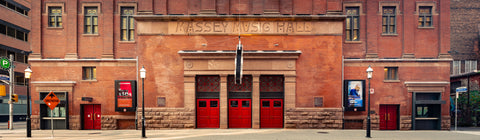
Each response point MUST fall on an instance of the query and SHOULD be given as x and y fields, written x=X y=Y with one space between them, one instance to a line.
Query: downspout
x=136 y=96
x=343 y=94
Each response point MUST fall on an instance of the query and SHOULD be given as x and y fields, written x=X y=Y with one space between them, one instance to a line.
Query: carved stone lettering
x=244 y=27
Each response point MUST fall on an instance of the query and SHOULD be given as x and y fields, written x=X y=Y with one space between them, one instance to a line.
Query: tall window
x=89 y=73
x=456 y=67
x=127 y=26
x=470 y=65
x=391 y=73
x=425 y=16
x=352 y=24
x=91 y=20
x=55 y=17
x=389 y=20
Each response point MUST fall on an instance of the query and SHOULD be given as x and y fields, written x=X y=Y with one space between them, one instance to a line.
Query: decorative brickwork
x=318 y=118
x=109 y=122
x=167 y=118
x=445 y=123
x=405 y=122
x=75 y=122
x=35 y=122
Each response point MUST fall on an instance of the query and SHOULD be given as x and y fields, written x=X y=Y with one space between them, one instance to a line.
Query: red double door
x=208 y=113
x=388 y=117
x=240 y=113
x=92 y=117
x=271 y=113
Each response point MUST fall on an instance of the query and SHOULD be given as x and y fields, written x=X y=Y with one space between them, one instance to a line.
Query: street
x=238 y=134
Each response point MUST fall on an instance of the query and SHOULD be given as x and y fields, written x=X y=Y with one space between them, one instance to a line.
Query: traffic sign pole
x=458 y=91
x=5 y=64
x=51 y=100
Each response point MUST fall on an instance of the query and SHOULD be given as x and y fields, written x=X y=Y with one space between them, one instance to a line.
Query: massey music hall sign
x=255 y=26
x=251 y=27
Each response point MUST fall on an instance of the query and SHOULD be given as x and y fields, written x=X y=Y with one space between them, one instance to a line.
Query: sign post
x=52 y=101
x=5 y=64
x=458 y=91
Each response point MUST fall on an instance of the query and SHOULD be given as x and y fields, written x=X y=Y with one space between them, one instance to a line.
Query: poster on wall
x=354 y=95
x=125 y=95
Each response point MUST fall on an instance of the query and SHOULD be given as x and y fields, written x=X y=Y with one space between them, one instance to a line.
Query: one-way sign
x=51 y=100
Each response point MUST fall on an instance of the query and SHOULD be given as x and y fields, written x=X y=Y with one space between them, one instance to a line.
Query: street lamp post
x=28 y=73
x=369 y=76
x=143 y=73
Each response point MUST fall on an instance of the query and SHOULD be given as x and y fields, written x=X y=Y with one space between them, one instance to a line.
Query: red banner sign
x=124 y=97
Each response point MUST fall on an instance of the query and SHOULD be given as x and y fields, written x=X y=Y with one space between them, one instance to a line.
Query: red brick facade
x=301 y=40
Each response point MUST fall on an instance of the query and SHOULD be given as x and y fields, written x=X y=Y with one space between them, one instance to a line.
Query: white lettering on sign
x=4 y=62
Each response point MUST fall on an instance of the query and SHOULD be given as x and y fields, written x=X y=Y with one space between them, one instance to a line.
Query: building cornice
x=398 y=60
x=80 y=60
x=238 y=17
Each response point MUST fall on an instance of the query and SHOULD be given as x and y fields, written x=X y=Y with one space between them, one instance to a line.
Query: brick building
x=304 y=63
x=464 y=36
x=15 y=27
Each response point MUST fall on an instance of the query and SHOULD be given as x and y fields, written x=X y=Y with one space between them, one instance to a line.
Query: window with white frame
x=456 y=67
x=470 y=65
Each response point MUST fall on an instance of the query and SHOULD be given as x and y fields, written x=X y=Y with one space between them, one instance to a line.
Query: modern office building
x=15 y=27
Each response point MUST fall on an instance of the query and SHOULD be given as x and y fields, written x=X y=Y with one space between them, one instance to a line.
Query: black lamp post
x=369 y=76
x=142 y=75
x=28 y=73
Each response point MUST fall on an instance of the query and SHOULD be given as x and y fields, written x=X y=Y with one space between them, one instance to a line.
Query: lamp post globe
x=369 y=76
x=28 y=74
x=143 y=74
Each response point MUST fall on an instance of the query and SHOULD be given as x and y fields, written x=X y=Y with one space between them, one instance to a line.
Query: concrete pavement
x=242 y=134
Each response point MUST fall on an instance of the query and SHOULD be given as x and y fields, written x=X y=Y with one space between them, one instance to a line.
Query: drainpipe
x=136 y=104
x=343 y=94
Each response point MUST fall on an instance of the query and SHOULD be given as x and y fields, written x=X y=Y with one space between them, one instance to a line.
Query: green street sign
x=5 y=63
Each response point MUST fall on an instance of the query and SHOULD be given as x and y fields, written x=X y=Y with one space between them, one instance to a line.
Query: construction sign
x=51 y=100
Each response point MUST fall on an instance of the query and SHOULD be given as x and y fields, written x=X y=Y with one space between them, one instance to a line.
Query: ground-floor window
x=59 y=115
x=426 y=111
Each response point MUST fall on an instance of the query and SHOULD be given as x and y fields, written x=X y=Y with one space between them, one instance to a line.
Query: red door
x=208 y=113
x=240 y=113
x=271 y=113
x=388 y=117
x=92 y=117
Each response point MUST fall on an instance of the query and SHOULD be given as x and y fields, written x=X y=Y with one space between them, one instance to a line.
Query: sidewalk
x=19 y=132
x=16 y=125
x=240 y=134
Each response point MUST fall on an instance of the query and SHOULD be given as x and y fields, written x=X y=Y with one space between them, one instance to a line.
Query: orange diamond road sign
x=51 y=100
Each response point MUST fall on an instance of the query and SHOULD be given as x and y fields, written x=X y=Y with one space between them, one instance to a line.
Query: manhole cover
x=322 y=132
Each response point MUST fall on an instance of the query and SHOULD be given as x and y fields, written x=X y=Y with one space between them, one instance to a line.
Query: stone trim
x=354 y=4
x=167 y=118
x=314 y=118
x=426 y=86
x=222 y=63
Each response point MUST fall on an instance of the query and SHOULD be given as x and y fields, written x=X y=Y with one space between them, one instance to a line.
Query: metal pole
x=456 y=107
x=12 y=77
x=143 y=108
x=368 y=117
x=29 y=129
x=51 y=120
